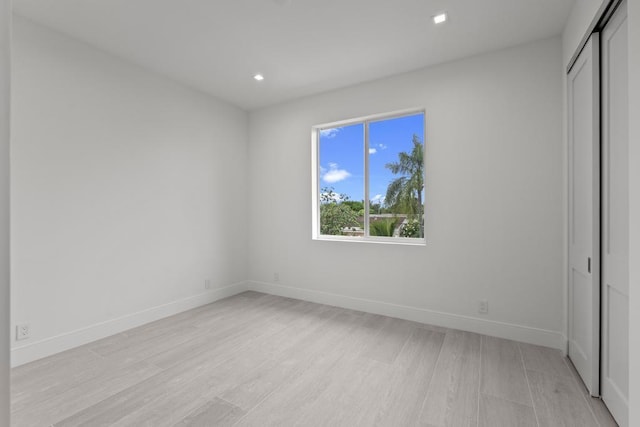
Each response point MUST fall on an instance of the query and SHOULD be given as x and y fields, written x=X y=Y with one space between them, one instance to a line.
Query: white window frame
x=315 y=179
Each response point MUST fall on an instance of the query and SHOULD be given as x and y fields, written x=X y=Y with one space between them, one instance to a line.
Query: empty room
x=320 y=213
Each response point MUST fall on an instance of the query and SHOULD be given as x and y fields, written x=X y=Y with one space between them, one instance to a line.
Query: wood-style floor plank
x=502 y=371
x=558 y=401
x=213 y=413
x=300 y=396
x=544 y=359
x=599 y=409
x=43 y=375
x=410 y=379
x=497 y=412
x=391 y=338
x=354 y=390
x=262 y=360
x=204 y=372
x=285 y=364
x=62 y=403
x=453 y=393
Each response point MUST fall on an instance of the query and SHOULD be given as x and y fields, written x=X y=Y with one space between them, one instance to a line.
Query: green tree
x=383 y=227
x=375 y=208
x=404 y=194
x=357 y=207
x=335 y=214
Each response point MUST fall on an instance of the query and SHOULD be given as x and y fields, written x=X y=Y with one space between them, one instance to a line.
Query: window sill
x=378 y=240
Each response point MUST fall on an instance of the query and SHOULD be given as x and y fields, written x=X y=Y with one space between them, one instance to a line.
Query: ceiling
x=301 y=46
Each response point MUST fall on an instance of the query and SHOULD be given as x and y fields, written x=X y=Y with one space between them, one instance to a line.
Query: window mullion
x=366 y=179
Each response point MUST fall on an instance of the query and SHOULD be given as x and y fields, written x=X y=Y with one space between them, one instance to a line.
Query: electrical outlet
x=207 y=284
x=22 y=332
x=276 y=277
x=483 y=306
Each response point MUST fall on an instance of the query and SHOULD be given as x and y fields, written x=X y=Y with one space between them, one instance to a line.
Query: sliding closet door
x=584 y=214
x=615 y=217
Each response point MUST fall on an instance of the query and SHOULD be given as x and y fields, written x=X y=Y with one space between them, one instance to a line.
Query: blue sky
x=341 y=154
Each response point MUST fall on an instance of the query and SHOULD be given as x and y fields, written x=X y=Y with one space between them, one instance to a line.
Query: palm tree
x=404 y=194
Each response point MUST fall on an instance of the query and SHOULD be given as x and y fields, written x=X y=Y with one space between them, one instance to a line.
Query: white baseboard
x=565 y=345
x=46 y=347
x=543 y=337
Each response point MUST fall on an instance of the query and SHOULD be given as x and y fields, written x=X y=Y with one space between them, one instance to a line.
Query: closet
x=598 y=259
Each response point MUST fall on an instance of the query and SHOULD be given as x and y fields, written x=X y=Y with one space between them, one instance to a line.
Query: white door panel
x=615 y=217
x=584 y=214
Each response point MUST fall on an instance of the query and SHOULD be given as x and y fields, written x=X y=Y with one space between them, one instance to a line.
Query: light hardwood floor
x=261 y=360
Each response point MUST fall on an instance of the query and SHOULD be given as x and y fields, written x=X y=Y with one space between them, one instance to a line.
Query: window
x=368 y=179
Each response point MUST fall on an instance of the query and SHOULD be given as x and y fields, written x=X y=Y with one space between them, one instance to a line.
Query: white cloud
x=335 y=174
x=378 y=198
x=372 y=151
x=382 y=146
x=329 y=133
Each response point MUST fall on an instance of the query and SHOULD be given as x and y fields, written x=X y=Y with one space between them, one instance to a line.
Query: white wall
x=5 y=17
x=128 y=192
x=634 y=212
x=494 y=198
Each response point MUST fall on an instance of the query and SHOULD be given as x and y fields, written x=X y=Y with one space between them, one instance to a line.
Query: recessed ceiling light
x=440 y=18
x=259 y=77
